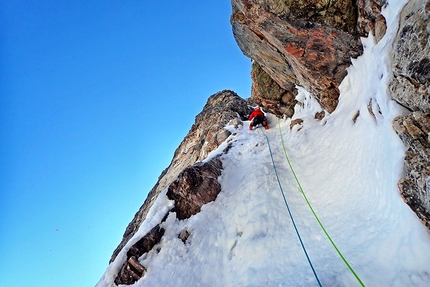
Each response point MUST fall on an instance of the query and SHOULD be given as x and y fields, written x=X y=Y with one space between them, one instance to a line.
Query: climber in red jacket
x=257 y=117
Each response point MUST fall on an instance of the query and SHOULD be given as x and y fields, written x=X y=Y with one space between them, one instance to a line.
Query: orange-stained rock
x=299 y=43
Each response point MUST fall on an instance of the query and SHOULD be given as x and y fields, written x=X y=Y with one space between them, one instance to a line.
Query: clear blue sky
x=95 y=97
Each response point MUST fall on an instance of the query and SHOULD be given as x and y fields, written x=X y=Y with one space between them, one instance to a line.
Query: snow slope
x=349 y=173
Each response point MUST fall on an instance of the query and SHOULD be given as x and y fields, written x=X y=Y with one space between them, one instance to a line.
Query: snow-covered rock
x=336 y=174
x=206 y=134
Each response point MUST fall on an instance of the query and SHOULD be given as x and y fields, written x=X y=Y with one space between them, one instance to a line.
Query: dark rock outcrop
x=132 y=270
x=370 y=18
x=410 y=87
x=147 y=242
x=411 y=58
x=195 y=186
x=414 y=130
x=308 y=43
x=206 y=134
x=267 y=93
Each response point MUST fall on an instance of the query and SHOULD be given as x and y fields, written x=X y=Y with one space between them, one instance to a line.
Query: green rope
x=310 y=206
x=289 y=211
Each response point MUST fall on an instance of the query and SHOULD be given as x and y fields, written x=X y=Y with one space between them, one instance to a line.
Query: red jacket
x=255 y=113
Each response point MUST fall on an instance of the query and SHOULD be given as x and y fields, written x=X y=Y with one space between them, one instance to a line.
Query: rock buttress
x=308 y=43
x=410 y=86
x=206 y=134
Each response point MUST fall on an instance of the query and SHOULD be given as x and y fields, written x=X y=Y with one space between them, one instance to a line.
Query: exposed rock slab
x=147 y=242
x=130 y=272
x=309 y=43
x=339 y=14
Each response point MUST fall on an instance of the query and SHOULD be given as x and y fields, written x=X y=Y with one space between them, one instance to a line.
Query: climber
x=257 y=117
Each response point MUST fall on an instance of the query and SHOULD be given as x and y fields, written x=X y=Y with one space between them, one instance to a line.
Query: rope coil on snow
x=313 y=212
x=289 y=211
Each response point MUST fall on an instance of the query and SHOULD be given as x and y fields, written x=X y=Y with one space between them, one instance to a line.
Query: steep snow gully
x=348 y=165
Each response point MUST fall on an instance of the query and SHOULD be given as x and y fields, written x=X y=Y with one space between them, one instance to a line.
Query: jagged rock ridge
x=206 y=134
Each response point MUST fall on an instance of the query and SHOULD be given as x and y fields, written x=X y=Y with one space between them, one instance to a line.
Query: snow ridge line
x=289 y=211
x=310 y=206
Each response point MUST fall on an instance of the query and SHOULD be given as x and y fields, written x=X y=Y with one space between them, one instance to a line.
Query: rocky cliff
x=410 y=86
x=310 y=43
x=206 y=134
x=306 y=43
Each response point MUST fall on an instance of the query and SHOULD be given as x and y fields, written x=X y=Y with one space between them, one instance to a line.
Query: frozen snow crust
x=349 y=172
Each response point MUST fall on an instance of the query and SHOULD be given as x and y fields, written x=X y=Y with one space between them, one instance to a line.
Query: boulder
x=194 y=187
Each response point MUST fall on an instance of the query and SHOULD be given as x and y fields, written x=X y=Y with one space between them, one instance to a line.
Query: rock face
x=206 y=134
x=267 y=93
x=411 y=58
x=410 y=87
x=414 y=130
x=370 y=18
x=194 y=187
x=132 y=270
x=308 y=43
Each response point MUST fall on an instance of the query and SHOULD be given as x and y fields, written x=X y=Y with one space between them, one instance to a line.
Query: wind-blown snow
x=349 y=172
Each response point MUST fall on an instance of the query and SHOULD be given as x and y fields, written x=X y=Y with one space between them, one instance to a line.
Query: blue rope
x=289 y=211
x=313 y=212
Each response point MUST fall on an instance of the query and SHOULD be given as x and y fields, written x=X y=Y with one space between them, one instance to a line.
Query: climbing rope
x=289 y=211
x=313 y=212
